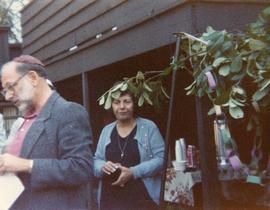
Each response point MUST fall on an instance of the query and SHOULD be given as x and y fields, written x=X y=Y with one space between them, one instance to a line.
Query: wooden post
x=4 y=52
x=85 y=92
x=211 y=191
x=168 y=127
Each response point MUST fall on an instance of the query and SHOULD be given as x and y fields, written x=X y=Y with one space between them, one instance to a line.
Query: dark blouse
x=134 y=195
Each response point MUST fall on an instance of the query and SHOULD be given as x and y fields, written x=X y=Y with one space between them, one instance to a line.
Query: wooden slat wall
x=33 y=9
x=64 y=24
x=119 y=46
x=39 y=34
x=142 y=25
x=74 y=31
x=49 y=11
x=83 y=26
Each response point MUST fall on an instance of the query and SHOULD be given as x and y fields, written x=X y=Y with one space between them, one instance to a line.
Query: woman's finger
x=109 y=167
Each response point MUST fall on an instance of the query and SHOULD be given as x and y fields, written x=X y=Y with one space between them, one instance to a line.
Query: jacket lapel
x=31 y=137
x=38 y=126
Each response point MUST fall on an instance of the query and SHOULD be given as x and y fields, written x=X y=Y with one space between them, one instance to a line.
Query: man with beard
x=51 y=151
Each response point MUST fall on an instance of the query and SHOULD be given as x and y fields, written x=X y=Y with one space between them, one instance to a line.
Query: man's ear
x=33 y=77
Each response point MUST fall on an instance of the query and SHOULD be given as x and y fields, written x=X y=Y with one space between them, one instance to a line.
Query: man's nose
x=8 y=96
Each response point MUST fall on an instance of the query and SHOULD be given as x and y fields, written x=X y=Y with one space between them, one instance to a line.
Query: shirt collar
x=31 y=116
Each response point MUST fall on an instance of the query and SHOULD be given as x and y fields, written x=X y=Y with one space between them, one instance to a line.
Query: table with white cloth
x=178 y=185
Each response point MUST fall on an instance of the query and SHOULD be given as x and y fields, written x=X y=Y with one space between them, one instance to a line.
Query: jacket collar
x=140 y=130
x=38 y=126
x=47 y=109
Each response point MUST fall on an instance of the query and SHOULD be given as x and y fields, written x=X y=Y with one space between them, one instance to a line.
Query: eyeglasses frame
x=11 y=86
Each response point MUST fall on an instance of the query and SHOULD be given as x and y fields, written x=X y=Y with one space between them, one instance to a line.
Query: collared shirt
x=15 y=146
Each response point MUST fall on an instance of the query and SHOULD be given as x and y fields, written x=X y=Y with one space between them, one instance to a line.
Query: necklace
x=122 y=149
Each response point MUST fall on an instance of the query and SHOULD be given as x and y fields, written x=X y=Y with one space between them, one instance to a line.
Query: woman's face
x=123 y=107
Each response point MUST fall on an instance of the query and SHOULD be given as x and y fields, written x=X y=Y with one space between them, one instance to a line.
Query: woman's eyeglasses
x=11 y=87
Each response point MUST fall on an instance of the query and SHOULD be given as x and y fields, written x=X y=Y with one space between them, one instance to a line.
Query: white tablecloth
x=178 y=185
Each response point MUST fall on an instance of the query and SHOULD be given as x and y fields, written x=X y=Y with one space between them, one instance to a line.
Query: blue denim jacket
x=151 y=149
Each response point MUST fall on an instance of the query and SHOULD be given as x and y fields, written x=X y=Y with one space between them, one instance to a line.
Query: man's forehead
x=8 y=72
x=9 y=67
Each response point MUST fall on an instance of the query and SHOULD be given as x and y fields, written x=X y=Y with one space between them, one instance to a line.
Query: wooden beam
x=76 y=30
x=94 y=19
x=209 y=172
x=44 y=15
x=53 y=23
x=151 y=34
x=4 y=51
x=85 y=91
x=33 y=9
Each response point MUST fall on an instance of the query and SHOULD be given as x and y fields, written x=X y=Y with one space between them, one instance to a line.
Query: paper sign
x=10 y=189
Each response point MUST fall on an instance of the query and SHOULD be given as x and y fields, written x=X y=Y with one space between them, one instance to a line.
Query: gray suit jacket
x=59 y=143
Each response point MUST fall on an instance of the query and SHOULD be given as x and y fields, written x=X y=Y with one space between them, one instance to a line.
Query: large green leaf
x=210 y=34
x=147 y=98
x=238 y=89
x=124 y=87
x=141 y=101
x=133 y=88
x=139 y=76
x=116 y=87
x=232 y=104
x=251 y=65
x=146 y=86
x=256 y=44
x=212 y=111
x=216 y=44
x=219 y=61
x=236 y=112
x=227 y=46
x=259 y=94
x=238 y=77
x=236 y=102
x=265 y=84
x=224 y=70
x=265 y=14
x=191 y=88
x=102 y=100
x=116 y=94
x=236 y=64
x=108 y=102
x=164 y=92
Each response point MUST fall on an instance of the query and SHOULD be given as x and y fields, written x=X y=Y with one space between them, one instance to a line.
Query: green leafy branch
x=239 y=63
x=146 y=89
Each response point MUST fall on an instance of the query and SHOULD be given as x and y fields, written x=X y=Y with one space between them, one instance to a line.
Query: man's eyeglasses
x=11 y=87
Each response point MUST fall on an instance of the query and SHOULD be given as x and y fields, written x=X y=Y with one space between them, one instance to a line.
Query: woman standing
x=134 y=148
